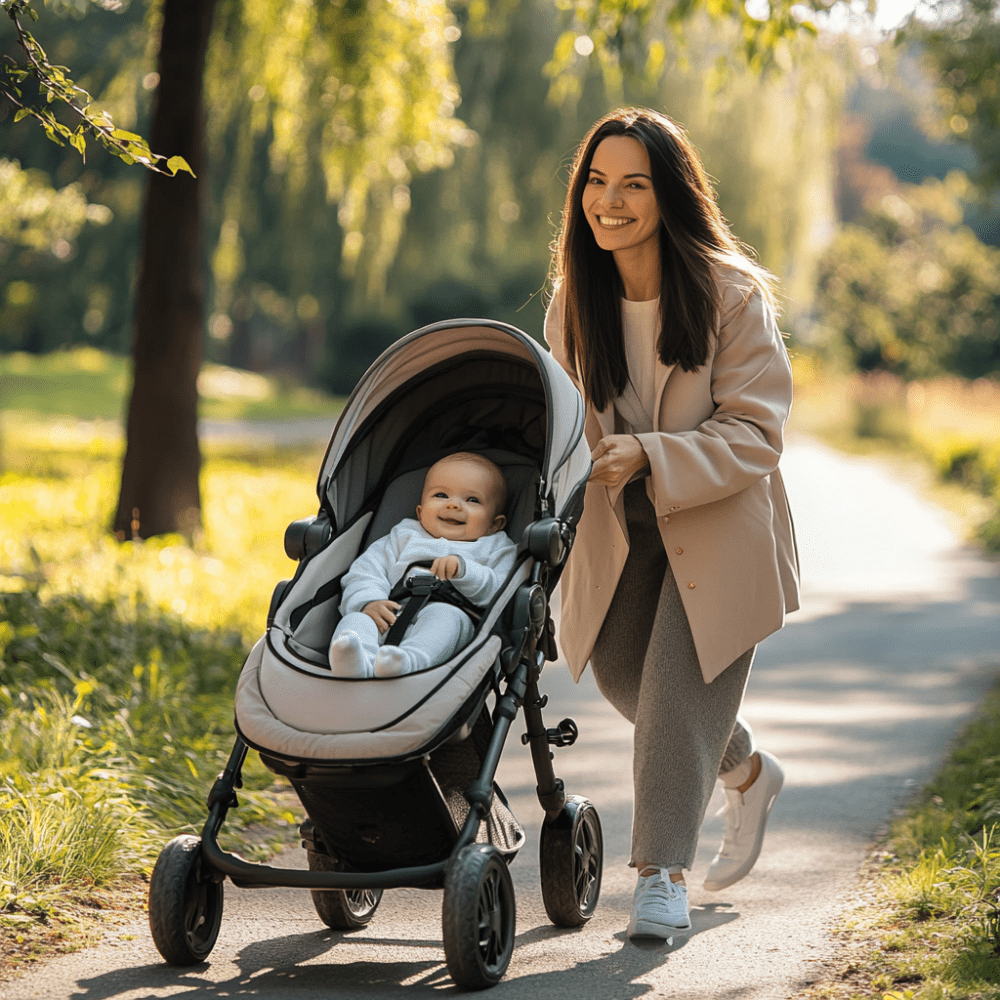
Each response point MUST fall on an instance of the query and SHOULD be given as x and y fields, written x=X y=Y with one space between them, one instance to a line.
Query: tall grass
x=118 y=662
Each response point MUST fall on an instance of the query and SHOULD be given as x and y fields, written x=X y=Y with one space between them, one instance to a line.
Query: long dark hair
x=694 y=239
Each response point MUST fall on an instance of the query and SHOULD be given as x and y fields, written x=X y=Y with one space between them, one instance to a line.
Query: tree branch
x=57 y=85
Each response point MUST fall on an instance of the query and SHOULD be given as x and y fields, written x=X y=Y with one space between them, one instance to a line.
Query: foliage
x=54 y=82
x=911 y=290
x=34 y=214
x=118 y=663
x=963 y=48
x=617 y=33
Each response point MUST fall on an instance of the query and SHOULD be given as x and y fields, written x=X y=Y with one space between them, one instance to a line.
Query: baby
x=459 y=528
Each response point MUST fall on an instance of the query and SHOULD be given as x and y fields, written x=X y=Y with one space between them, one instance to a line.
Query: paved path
x=859 y=696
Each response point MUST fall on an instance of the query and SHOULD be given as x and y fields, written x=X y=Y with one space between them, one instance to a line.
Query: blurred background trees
x=366 y=176
x=372 y=167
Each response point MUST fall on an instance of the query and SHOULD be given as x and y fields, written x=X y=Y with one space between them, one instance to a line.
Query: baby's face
x=459 y=502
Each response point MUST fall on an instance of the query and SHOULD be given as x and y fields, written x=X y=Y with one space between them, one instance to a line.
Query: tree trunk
x=159 y=488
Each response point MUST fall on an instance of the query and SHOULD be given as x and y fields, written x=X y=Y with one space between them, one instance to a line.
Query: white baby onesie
x=440 y=629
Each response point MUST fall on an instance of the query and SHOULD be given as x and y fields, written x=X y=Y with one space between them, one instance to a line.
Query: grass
x=928 y=923
x=118 y=664
x=88 y=384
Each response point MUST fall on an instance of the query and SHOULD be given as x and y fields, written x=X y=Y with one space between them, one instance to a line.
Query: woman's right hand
x=617 y=458
x=383 y=613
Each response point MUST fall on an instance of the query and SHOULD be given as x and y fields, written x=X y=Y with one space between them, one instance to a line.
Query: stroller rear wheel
x=571 y=856
x=185 y=913
x=341 y=910
x=478 y=917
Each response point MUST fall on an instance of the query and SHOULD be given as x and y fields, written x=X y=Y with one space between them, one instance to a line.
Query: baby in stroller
x=458 y=530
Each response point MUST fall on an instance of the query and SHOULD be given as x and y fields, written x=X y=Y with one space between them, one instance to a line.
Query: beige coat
x=715 y=486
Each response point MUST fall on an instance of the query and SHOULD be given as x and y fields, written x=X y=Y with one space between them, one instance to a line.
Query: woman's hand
x=617 y=458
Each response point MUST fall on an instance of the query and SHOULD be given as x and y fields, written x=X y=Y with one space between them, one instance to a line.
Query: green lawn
x=88 y=384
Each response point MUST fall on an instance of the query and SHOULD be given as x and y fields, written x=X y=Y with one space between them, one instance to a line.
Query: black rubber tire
x=479 y=917
x=184 y=914
x=571 y=857
x=341 y=910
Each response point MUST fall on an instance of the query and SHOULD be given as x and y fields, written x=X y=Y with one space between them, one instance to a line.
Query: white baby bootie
x=394 y=661
x=348 y=657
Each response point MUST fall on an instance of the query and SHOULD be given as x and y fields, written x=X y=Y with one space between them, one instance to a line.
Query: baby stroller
x=396 y=775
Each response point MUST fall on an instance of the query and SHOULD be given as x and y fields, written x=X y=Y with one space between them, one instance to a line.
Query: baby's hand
x=383 y=613
x=445 y=567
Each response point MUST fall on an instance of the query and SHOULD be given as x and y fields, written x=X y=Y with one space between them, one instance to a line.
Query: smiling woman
x=685 y=557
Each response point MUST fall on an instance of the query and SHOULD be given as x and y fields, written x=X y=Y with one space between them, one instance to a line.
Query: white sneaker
x=746 y=817
x=659 y=907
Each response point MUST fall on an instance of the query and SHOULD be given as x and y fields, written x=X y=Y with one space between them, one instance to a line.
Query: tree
x=963 y=49
x=911 y=290
x=159 y=487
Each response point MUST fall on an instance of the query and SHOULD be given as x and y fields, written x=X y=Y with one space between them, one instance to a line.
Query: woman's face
x=618 y=198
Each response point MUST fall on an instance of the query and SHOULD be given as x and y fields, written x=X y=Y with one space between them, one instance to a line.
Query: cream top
x=641 y=330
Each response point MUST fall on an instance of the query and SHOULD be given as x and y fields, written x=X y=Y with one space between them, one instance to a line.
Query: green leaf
x=176 y=163
x=23 y=113
x=79 y=143
x=120 y=133
x=52 y=136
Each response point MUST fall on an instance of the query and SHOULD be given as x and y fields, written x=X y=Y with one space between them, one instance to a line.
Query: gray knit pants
x=686 y=731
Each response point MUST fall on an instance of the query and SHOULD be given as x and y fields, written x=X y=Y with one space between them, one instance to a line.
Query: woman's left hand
x=617 y=458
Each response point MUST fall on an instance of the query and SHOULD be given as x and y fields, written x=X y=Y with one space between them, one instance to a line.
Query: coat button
x=690 y=586
x=679 y=551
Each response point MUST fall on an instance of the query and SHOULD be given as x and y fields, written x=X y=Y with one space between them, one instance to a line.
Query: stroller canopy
x=475 y=385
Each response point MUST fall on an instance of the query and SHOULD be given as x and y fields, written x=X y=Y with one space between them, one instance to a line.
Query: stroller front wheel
x=185 y=912
x=571 y=856
x=478 y=917
x=341 y=910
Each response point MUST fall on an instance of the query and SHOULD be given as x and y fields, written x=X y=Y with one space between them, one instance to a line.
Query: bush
x=912 y=291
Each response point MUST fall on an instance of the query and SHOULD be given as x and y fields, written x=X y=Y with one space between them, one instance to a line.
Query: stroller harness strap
x=415 y=590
